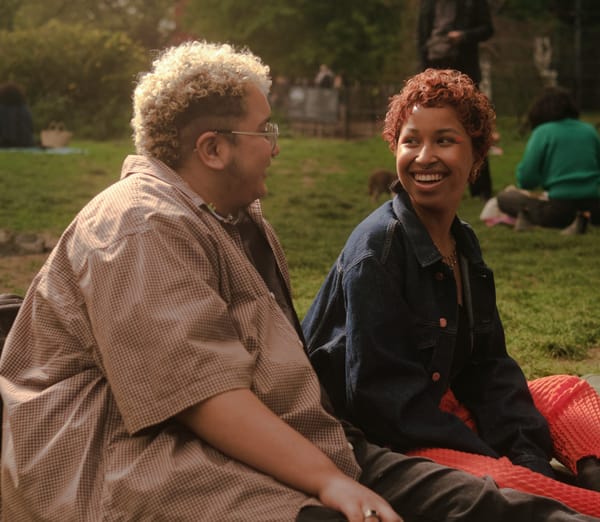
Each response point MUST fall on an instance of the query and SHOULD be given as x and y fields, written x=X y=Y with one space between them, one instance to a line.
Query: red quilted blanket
x=572 y=409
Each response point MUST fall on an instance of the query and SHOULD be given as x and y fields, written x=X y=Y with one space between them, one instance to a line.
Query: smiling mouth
x=427 y=177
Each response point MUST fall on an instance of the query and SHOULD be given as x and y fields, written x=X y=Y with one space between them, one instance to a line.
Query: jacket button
x=443 y=322
x=435 y=376
x=439 y=276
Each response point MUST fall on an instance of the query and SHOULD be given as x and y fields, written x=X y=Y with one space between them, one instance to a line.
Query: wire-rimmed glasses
x=271 y=132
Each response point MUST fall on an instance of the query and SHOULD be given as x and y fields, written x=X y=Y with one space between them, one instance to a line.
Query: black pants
x=552 y=213
x=421 y=490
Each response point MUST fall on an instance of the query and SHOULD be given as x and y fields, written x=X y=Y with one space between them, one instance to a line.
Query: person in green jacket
x=562 y=157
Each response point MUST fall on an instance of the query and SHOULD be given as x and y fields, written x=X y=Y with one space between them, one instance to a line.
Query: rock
x=12 y=244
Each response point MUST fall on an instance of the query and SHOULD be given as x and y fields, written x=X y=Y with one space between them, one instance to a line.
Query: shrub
x=75 y=74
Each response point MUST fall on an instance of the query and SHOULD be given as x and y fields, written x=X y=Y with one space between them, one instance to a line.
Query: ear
x=474 y=174
x=212 y=150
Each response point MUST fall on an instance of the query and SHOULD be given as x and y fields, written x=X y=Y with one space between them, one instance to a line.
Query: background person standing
x=448 y=37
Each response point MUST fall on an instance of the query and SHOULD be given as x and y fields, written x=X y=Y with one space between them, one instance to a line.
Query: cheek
x=403 y=160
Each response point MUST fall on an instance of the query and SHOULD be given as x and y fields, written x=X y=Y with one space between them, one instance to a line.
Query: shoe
x=588 y=473
x=523 y=222
x=579 y=225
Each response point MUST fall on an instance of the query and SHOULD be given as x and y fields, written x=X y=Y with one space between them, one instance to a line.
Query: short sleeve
x=165 y=338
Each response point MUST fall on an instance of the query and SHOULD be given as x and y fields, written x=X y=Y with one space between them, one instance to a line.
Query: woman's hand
x=355 y=501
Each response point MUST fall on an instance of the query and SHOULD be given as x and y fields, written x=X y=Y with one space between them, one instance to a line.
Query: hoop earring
x=473 y=175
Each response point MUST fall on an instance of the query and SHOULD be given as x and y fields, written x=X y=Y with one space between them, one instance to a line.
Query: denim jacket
x=381 y=334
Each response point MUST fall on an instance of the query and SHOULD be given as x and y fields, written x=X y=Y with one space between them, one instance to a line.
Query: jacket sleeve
x=480 y=26
x=388 y=389
x=424 y=25
x=494 y=389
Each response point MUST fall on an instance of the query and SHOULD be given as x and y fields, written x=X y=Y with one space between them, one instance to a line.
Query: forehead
x=433 y=118
x=257 y=105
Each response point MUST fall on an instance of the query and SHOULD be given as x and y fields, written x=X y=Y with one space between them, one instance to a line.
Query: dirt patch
x=593 y=356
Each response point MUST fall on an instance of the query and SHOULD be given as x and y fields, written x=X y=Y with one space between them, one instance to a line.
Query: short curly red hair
x=443 y=88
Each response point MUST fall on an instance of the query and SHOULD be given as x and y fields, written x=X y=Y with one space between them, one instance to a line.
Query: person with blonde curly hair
x=156 y=368
x=405 y=332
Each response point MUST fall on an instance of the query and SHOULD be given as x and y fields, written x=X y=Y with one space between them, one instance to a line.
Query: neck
x=206 y=183
x=438 y=226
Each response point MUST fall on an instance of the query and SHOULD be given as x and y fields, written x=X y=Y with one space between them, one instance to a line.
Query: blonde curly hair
x=197 y=85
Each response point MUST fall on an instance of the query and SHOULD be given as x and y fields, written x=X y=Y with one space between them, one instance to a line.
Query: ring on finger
x=371 y=513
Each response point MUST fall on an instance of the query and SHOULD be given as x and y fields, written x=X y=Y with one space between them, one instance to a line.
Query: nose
x=425 y=155
x=275 y=151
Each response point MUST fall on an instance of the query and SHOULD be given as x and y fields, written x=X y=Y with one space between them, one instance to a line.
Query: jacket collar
x=425 y=251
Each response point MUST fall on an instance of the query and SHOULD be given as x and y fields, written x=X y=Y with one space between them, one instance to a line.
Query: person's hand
x=356 y=502
x=455 y=37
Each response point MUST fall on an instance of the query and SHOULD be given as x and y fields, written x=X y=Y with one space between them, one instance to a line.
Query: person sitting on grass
x=16 y=122
x=562 y=157
x=405 y=332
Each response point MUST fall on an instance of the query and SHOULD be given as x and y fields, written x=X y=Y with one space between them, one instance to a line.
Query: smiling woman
x=434 y=160
x=405 y=332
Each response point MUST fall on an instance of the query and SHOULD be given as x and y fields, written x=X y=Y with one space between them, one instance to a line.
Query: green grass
x=42 y=192
x=547 y=284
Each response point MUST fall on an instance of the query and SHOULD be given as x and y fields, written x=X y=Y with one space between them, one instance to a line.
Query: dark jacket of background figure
x=16 y=126
x=382 y=333
x=16 y=122
x=474 y=19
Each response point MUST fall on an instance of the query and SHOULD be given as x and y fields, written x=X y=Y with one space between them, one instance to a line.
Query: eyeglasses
x=271 y=132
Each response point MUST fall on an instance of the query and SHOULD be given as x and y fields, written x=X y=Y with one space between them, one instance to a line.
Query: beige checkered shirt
x=148 y=305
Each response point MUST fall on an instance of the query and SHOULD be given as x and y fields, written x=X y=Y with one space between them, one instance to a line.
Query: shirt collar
x=138 y=164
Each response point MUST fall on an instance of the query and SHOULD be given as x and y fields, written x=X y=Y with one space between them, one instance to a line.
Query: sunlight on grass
x=546 y=283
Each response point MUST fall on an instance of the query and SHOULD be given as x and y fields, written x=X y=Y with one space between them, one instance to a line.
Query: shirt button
x=435 y=376
x=443 y=322
x=272 y=295
x=439 y=276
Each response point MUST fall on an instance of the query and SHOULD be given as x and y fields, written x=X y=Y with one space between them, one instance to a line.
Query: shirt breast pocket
x=434 y=352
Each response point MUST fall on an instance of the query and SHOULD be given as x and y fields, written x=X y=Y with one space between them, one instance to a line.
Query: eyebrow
x=449 y=129
x=264 y=122
x=452 y=130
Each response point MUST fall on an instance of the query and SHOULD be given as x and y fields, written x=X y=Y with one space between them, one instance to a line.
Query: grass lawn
x=547 y=284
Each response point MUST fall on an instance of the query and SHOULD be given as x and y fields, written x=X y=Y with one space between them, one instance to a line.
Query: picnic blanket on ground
x=572 y=408
x=43 y=150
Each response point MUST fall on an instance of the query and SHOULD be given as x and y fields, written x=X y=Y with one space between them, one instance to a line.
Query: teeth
x=427 y=177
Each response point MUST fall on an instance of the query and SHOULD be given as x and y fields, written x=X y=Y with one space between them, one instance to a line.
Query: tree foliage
x=147 y=22
x=360 y=40
x=74 y=74
x=8 y=10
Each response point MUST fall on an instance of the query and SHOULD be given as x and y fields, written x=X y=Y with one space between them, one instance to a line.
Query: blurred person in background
x=448 y=36
x=16 y=122
x=562 y=158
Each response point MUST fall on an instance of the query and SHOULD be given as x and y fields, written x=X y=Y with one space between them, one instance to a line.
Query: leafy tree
x=148 y=22
x=361 y=40
x=74 y=74
x=8 y=10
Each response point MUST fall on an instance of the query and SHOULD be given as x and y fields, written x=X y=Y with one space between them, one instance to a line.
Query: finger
x=384 y=514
